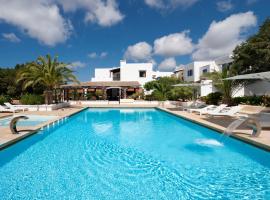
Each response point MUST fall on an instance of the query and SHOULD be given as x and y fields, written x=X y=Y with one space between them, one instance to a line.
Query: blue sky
x=98 y=33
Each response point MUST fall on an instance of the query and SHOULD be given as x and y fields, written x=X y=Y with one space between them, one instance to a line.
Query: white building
x=115 y=83
x=140 y=72
x=193 y=72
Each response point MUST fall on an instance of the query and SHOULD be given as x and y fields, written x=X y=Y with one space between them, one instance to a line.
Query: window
x=190 y=72
x=142 y=74
x=204 y=71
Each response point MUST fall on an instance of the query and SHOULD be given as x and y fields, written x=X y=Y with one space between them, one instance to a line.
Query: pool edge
x=219 y=130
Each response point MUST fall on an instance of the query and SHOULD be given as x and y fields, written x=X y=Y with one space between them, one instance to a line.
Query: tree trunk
x=48 y=96
x=228 y=101
x=55 y=96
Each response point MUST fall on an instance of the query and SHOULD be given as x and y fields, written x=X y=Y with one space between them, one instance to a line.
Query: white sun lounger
x=3 y=109
x=228 y=111
x=194 y=105
x=15 y=107
x=207 y=109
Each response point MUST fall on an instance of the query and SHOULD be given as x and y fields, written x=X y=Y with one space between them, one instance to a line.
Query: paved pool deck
x=217 y=123
x=3 y=115
x=7 y=138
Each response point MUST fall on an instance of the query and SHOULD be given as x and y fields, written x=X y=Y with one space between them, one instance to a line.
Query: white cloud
x=223 y=36
x=168 y=64
x=11 y=37
x=250 y=2
x=175 y=44
x=103 y=12
x=92 y=55
x=96 y=55
x=77 y=64
x=141 y=51
x=155 y=3
x=169 y=4
x=37 y=18
x=103 y=54
x=224 y=6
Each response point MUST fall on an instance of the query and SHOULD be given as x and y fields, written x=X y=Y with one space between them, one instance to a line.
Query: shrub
x=250 y=100
x=149 y=97
x=155 y=96
x=266 y=100
x=100 y=95
x=32 y=99
x=4 y=98
x=89 y=96
x=183 y=93
x=213 y=98
x=137 y=95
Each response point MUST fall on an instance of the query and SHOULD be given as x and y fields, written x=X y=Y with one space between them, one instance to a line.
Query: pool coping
x=217 y=129
x=220 y=130
x=36 y=129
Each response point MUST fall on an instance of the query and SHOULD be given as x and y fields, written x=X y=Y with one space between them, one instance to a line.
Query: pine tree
x=253 y=55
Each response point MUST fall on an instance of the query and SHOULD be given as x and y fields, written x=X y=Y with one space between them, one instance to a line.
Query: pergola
x=85 y=87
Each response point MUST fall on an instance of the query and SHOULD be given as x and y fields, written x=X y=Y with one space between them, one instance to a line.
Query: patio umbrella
x=254 y=76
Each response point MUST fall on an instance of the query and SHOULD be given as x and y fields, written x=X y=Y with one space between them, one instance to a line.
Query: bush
x=100 y=95
x=32 y=99
x=181 y=93
x=250 y=100
x=266 y=100
x=4 y=98
x=213 y=98
x=89 y=96
x=155 y=96
x=149 y=97
x=137 y=95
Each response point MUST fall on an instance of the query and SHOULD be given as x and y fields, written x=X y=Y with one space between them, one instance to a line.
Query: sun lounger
x=203 y=110
x=227 y=111
x=15 y=107
x=193 y=106
x=3 y=109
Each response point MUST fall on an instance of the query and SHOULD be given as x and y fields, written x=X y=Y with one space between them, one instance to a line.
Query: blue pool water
x=132 y=154
x=32 y=120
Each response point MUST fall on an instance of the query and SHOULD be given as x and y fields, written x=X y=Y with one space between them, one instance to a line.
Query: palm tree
x=48 y=72
x=161 y=87
x=226 y=87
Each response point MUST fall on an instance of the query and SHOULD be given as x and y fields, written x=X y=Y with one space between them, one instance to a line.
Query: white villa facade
x=116 y=83
x=140 y=72
x=193 y=72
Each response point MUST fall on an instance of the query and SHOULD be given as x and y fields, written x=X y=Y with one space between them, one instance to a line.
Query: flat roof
x=104 y=84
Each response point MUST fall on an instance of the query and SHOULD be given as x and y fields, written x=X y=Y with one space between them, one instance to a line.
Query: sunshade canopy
x=261 y=76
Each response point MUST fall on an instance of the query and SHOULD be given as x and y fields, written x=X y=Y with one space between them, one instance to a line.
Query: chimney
x=123 y=62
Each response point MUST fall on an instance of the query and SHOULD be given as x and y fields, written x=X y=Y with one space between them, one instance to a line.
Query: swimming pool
x=32 y=120
x=132 y=154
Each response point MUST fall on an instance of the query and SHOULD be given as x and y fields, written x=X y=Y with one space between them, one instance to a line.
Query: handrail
x=13 y=123
x=252 y=122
